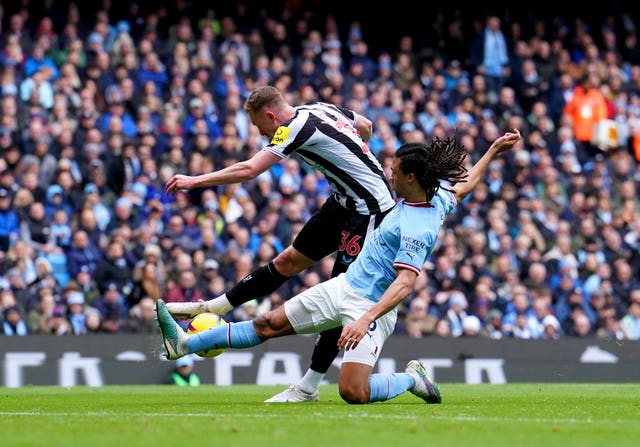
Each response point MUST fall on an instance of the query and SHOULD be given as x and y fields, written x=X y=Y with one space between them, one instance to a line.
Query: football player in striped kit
x=332 y=140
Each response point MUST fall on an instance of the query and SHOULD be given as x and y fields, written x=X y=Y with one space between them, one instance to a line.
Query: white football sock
x=219 y=305
x=310 y=381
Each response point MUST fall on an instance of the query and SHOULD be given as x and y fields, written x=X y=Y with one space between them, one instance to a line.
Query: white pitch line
x=468 y=418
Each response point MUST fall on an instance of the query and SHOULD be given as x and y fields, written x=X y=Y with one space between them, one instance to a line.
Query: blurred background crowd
x=101 y=104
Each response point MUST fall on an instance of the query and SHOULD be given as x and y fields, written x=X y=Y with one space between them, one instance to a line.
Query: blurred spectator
x=112 y=308
x=116 y=114
x=493 y=325
x=630 y=323
x=35 y=229
x=142 y=317
x=36 y=89
x=196 y=112
x=518 y=305
x=183 y=374
x=579 y=324
x=94 y=200
x=520 y=328
x=84 y=282
x=175 y=231
x=22 y=256
x=489 y=54
x=113 y=323
x=13 y=322
x=210 y=271
x=609 y=326
x=551 y=328
x=9 y=225
x=147 y=285
x=185 y=289
x=57 y=200
x=93 y=321
x=212 y=245
x=418 y=322
x=76 y=312
x=456 y=313
x=596 y=279
x=38 y=316
x=60 y=229
x=114 y=267
x=44 y=273
x=471 y=326
x=124 y=214
x=57 y=323
x=19 y=289
x=443 y=328
x=586 y=107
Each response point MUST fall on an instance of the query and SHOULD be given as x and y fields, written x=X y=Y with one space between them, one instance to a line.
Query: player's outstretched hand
x=507 y=141
x=178 y=182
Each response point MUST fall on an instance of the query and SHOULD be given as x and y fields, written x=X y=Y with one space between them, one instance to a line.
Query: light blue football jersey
x=405 y=239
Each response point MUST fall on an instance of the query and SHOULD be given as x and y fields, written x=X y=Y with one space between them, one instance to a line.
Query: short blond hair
x=263 y=97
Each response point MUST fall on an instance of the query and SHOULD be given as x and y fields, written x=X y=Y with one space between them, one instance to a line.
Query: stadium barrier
x=100 y=360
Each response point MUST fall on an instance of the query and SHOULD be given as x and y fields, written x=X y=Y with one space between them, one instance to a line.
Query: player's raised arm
x=501 y=144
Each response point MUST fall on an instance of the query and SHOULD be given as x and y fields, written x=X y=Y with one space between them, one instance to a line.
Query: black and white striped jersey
x=324 y=136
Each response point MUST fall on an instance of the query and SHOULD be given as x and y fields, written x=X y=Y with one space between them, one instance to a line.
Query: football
x=203 y=322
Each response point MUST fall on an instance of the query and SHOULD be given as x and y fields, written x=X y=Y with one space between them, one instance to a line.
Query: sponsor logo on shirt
x=412 y=244
x=280 y=136
x=347 y=260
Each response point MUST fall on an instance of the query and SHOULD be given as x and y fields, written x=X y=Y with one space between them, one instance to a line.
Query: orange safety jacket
x=586 y=108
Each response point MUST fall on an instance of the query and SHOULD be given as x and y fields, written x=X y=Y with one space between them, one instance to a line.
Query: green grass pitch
x=540 y=415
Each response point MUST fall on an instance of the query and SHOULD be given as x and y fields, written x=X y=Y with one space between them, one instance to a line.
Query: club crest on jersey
x=280 y=136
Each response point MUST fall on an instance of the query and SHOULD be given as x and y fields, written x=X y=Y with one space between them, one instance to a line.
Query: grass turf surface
x=470 y=415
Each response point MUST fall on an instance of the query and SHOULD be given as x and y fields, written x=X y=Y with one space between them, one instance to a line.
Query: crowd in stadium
x=99 y=110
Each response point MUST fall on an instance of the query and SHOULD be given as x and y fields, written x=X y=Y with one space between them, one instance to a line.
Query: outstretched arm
x=236 y=173
x=501 y=144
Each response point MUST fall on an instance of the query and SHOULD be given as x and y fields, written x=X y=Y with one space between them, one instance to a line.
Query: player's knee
x=290 y=262
x=272 y=324
x=263 y=327
x=354 y=396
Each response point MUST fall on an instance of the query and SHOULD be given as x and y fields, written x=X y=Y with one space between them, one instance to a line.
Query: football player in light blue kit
x=431 y=180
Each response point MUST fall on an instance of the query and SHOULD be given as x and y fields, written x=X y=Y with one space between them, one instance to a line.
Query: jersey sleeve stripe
x=402 y=265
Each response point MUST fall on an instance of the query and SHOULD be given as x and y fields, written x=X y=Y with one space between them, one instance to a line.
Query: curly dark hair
x=442 y=160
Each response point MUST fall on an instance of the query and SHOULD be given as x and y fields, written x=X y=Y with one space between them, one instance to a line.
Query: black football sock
x=259 y=283
x=325 y=350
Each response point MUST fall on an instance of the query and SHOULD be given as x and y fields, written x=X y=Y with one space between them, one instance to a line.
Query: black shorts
x=334 y=228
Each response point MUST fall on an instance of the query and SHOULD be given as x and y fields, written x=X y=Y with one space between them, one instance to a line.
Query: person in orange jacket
x=587 y=106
